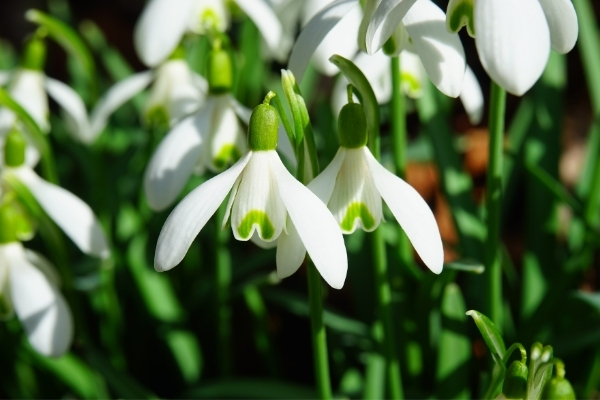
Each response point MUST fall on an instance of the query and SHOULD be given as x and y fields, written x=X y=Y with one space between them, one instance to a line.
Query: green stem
x=493 y=204
x=398 y=122
x=319 y=338
x=223 y=281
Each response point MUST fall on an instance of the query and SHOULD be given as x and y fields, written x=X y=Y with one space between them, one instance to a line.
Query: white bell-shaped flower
x=354 y=184
x=421 y=21
x=164 y=22
x=514 y=37
x=264 y=195
x=29 y=287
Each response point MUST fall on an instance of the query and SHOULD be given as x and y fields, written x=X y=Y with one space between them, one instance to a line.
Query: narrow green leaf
x=466 y=265
x=35 y=134
x=490 y=333
x=68 y=38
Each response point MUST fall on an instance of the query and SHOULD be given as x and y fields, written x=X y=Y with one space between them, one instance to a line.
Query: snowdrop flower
x=377 y=71
x=164 y=22
x=29 y=288
x=415 y=24
x=30 y=87
x=514 y=37
x=210 y=138
x=68 y=211
x=176 y=92
x=354 y=184
x=263 y=196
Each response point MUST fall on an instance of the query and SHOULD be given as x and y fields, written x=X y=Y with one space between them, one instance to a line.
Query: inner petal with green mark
x=228 y=154
x=259 y=220
x=459 y=14
x=357 y=213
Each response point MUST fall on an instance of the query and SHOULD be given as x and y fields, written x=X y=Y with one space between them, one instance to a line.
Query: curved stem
x=493 y=270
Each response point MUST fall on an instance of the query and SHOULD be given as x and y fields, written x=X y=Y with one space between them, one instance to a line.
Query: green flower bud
x=8 y=221
x=14 y=149
x=34 y=54
x=515 y=381
x=558 y=388
x=352 y=126
x=262 y=129
x=219 y=71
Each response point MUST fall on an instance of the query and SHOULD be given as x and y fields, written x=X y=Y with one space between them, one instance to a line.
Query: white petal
x=261 y=243
x=412 y=213
x=441 y=52
x=562 y=21
x=44 y=265
x=5 y=77
x=387 y=16
x=265 y=20
x=340 y=40
x=472 y=97
x=226 y=140
x=313 y=34
x=258 y=205
x=74 y=107
x=243 y=112
x=290 y=251
x=41 y=308
x=323 y=184
x=69 y=212
x=191 y=214
x=316 y=227
x=413 y=75
x=115 y=97
x=28 y=90
x=513 y=42
x=174 y=159
x=160 y=28
x=355 y=201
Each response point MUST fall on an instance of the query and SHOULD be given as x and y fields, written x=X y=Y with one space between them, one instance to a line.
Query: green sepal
x=262 y=129
x=34 y=54
x=352 y=126
x=558 y=388
x=515 y=381
x=219 y=71
x=459 y=14
x=14 y=149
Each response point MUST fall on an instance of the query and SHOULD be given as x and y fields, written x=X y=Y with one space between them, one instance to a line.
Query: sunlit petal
x=386 y=17
x=316 y=227
x=44 y=265
x=441 y=52
x=73 y=105
x=323 y=184
x=226 y=140
x=69 y=212
x=28 y=90
x=562 y=21
x=472 y=97
x=513 y=42
x=265 y=20
x=191 y=214
x=290 y=251
x=412 y=213
x=39 y=305
x=160 y=28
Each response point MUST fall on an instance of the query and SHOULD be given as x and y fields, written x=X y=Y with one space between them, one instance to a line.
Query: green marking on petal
x=358 y=210
x=229 y=154
x=259 y=218
x=460 y=13
x=157 y=117
x=410 y=84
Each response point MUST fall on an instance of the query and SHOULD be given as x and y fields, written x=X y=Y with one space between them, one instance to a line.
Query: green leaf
x=252 y=389
x=466 y=265
x=68 y=38
x=490 y=334
x=39 y=139
x=356 y=77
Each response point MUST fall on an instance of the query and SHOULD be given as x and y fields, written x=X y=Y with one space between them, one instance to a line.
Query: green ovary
x=228 y=154
x=259 y=218
x=354 y=211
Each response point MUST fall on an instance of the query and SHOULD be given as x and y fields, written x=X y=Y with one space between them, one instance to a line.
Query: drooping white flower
x=177 y=92
x=418 y=24
x=514 y=37
x=164 y=22
x=376 y=68
x=354 y=184
x=264 y=195
x=29 y=286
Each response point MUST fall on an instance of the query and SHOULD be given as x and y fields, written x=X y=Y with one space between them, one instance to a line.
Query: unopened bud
x=558 y=388
x=263 y=127
x=34 y=54
x=515 y=381
x=14 y=149
x=352 y=126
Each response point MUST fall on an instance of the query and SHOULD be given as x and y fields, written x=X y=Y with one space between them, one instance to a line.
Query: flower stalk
x=493 y=268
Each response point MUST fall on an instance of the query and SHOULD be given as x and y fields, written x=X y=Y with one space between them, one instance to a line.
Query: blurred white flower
x=417 y=24
x=164 y=22
x=29 y=286
x=263 y=196
x=514 y=37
